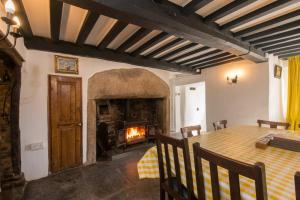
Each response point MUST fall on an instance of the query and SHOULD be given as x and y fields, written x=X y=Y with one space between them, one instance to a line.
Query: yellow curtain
x=293 y=107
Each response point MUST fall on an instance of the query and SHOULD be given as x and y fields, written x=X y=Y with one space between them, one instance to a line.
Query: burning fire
x=135 y=132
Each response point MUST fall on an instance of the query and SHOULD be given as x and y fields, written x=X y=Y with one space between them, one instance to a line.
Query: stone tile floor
x=110 y=180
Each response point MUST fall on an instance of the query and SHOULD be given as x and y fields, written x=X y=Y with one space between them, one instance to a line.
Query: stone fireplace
x=128 y=105
x=124 y=123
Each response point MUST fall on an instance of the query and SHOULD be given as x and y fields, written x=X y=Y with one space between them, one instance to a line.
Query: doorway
x=65 y=118
x=190 y=105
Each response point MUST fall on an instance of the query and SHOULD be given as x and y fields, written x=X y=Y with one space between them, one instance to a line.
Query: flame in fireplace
x=135 y=132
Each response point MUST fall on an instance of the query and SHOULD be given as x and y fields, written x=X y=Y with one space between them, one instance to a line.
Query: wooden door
x=65 y=139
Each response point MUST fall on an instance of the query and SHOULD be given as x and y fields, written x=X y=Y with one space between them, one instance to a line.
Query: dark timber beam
x=282 y=45
x=219 y=56
x=214 y=64
x=273 y=31
x=212 y=61
x=202 y=56
x=45 y=44
x=270 y=8
x=55 y=18
x=153 y=16
x=284 y=49
x=277 y=42
x=112 y=34
x=296 y=53
x=287 y=51
x=170 y=45
x=20 y=12
x=190 y=53
x=284 y=19
x=176 y=51
x=137 y=36
x=152 y=42
x=288 y=34
x=194 y=5
x=228 y=9
x=87 y=27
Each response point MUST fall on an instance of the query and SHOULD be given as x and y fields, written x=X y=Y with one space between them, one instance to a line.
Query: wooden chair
x=273 y=124
x=235 y=168
x=297 y=185
x=190 y=131
x=171 y=183
x=220 y=124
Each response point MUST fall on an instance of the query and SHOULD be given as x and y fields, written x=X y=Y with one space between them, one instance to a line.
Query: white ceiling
x=38 y=12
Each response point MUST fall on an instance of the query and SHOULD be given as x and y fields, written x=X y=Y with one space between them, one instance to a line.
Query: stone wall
x=118 y=84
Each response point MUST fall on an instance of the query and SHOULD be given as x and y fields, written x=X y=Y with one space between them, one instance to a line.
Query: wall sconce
x=232 y=79
x=12 y=22
x=198 y=71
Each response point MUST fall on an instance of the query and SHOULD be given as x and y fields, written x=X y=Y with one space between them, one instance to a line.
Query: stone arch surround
x=122 y=83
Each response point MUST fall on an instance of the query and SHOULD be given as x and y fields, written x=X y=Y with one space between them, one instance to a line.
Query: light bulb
x=16 y=19
x=10 y=7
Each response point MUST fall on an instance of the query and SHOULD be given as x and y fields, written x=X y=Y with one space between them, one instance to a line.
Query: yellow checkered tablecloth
x=238 y=143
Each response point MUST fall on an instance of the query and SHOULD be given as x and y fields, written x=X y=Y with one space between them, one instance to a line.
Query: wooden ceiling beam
x=176 y=51
x=25 y=25
x=87 y=27
x=219 y=63
x=190 y=53
x=227 y=9
x=266 y=44
x=287 y=34
x=296 y=53
x=284 y=49
x=45 y=44
x=270 y=8
x=155 y=16
x=170 y=45
x=152 y=42
x=55 y=18
x=194 y=5
x=137 y=36
x=212 y=61
x=282 y=45
x=202 y=56
x=273 y=31
x=112 y=34
x=284 y=19
x=287 y=51
x=211 y=58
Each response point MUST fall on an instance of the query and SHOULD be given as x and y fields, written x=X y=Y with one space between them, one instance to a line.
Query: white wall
x=277 y=90
x=33 y=104
x=241 y=103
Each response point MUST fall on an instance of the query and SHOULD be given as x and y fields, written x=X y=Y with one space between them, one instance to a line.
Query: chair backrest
x=163 y=145
x=190 y=131
x=220 y=124
x=297 y=185
x=235 y=168
x=285 y=125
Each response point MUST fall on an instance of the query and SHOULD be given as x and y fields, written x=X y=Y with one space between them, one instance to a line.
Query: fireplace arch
x=118 y=84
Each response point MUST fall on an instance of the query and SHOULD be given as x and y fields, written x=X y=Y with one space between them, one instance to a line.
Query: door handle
x=79 y=124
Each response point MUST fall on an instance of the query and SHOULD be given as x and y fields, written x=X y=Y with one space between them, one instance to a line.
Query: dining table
x=237 y=143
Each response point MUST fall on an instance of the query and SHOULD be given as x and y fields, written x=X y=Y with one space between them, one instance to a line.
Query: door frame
x=50 y=171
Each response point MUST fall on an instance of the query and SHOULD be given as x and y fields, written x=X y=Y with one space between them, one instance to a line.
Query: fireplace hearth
x=123 y=124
